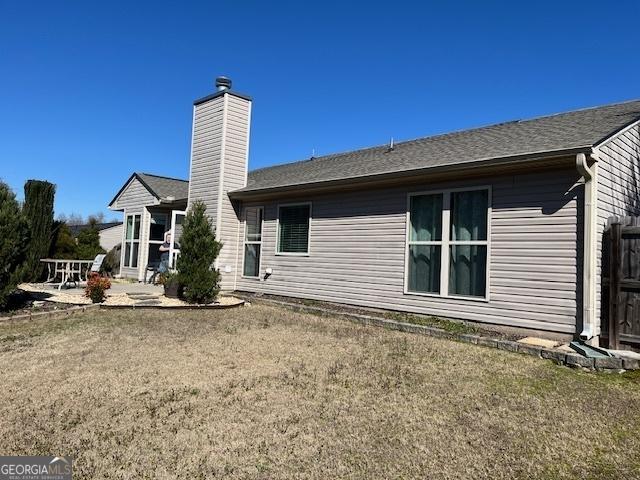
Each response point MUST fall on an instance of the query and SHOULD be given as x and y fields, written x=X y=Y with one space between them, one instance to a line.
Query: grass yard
x=260 y=392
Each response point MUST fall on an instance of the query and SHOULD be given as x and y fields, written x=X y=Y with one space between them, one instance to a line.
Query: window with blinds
x=293 y=229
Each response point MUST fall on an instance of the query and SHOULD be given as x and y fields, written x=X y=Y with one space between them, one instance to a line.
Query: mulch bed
x=25 y=303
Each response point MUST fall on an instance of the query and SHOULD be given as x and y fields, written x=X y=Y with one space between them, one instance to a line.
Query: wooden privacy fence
x=621 y=283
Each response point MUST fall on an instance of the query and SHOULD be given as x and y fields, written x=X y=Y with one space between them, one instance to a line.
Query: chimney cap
x=223 y=83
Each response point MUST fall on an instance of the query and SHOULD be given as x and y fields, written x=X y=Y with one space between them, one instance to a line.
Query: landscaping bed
x=24 y=304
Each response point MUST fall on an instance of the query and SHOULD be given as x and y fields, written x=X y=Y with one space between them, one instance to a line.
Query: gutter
x=589 y=260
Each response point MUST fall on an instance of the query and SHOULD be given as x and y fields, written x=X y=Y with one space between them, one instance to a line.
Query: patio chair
x=97 y=262
x=152 y=267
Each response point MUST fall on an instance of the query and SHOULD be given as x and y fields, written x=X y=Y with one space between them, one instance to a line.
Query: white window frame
x=252 y=242
x=446 y=242
x=294 y=254
x=132 y=241
x=173 y=251
x=166 y=224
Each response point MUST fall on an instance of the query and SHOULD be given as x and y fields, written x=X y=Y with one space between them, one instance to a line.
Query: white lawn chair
x=97 y=262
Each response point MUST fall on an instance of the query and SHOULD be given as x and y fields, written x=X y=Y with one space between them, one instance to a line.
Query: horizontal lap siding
x=110 y=237
x=358 y=249
x=205 y=156
x=235 y=176
x=134 y=195
x=618 y=185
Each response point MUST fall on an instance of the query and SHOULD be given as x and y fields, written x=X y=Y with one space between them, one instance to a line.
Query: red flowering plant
x=96 y=287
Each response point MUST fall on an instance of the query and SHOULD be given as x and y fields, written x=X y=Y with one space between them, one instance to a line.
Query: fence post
x=615 y=274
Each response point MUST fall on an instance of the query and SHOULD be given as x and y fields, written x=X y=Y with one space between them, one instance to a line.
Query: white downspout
x=589 y=328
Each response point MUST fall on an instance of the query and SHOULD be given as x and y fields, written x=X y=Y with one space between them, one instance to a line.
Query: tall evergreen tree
x=14 y=238
x=198 y=250
x=38 y=210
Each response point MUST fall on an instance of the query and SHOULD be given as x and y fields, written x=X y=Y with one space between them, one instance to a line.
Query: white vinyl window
x=448 y=243
x=254 y=217
x=132 y=241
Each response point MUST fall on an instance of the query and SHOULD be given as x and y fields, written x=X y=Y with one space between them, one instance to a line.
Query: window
x=157 y=229
x=252 y=241
x=293 y=229
x=132 y=241
x=447 y=243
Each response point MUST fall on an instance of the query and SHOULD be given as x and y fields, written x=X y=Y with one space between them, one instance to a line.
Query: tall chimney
x=219 y=164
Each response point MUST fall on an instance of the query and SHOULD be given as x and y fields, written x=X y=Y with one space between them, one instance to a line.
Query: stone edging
x=50 y=314
x=170 y=307
x=573 y=360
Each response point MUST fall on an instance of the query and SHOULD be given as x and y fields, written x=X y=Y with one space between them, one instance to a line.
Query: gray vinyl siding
x=220 y=154
x=110 y=237
x=618 y=185
x=134 y=195
x=235 y=177
x=357 y=253
x=208 y=125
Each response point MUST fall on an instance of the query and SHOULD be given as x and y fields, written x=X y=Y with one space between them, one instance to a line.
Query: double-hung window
x=447 y=243
x=132 y=241
x=252 y=241
x=293 y=229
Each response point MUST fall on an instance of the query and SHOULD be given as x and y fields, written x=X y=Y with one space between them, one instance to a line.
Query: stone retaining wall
x=574 y=360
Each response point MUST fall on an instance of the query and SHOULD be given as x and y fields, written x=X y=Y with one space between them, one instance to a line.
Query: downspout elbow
x=583 y=167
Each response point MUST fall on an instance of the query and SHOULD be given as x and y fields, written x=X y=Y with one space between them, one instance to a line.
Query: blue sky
x=92 y=91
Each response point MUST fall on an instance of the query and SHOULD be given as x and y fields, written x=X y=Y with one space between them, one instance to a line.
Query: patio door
x=157 y=228
x=177 y=218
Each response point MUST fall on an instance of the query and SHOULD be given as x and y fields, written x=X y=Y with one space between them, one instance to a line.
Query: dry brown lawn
x=261 y=392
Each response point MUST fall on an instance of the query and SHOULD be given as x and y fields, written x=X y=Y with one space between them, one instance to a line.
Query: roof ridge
x=162 y=176
x=445 y=134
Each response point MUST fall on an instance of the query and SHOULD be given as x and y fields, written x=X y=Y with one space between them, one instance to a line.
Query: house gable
x=134 y=193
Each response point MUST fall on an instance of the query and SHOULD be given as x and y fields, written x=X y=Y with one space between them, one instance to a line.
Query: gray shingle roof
x=574 y=130
x=164 y=187
x=76 y=229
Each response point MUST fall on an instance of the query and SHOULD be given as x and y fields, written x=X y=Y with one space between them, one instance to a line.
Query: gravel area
x=133 y=298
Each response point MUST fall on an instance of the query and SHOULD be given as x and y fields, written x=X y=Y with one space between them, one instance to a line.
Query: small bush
x=96 y=287
x=169 y=278
x=198 y=250
x=111 y=263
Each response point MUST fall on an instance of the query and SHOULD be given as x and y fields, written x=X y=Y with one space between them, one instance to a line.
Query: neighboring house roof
x=75 y=229
x=563 y=133
x=163 y=188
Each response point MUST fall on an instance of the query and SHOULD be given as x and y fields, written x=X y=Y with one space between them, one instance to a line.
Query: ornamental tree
x=198 y=252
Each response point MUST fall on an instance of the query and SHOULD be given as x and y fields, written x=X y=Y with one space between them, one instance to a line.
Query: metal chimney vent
x=223 y=83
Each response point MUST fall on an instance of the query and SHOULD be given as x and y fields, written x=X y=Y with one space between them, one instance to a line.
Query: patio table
x=67 y=269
